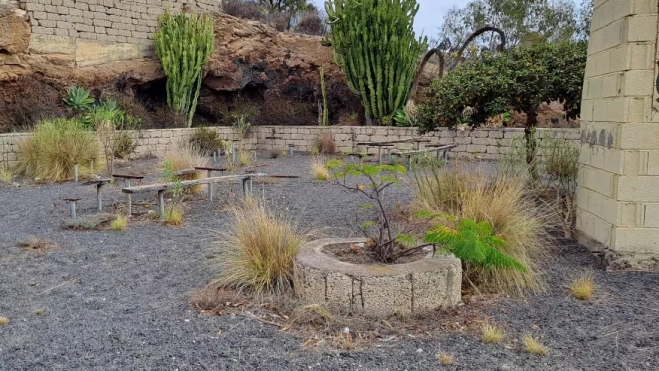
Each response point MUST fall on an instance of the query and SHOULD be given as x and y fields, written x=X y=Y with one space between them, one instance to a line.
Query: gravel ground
x=120 y=300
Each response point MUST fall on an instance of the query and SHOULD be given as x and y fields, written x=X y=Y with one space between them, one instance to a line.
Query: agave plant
x=78 y=99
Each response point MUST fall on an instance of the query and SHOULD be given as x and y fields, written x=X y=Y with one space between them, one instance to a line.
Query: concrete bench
x=127 y=180
x=72 y=206
x=162 y=187
x=209 y=174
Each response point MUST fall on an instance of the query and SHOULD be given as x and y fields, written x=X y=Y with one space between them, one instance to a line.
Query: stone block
x=476 y=148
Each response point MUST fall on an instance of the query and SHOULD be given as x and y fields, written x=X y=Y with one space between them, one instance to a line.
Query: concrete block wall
x=100 y=31
x=479 y=144
x=618 y=191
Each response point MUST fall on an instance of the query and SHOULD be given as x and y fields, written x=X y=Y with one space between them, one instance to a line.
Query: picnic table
x=392 y=143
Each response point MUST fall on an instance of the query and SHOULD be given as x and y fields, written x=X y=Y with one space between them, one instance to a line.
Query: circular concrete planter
x=376 y=289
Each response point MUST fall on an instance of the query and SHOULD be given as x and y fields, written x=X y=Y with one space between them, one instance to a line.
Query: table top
x=392 y=142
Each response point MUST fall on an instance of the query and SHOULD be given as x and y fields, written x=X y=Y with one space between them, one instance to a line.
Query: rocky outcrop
x=247 y=53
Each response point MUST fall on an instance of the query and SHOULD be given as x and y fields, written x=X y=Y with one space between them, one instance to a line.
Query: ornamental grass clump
x=502 y=201
x=186 y=157
x=258 y=250
x=55 y=147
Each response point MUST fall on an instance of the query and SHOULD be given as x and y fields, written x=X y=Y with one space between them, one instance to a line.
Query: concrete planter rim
x=311 y=255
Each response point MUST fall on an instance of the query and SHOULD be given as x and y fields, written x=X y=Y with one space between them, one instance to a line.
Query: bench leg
x=75 y=173
x=233 y=151
x=409 y=162
x=72 y=209
x=379 y=155
x=290 y=151
x=161 y=204
x=129 y=199
x=210 y=186
x=247 y=186
x=99 y=202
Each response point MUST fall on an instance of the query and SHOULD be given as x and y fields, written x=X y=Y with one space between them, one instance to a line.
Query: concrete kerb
x=376 y=289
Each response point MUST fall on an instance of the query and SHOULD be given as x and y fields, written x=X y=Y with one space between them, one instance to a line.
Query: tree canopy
x=521 y=20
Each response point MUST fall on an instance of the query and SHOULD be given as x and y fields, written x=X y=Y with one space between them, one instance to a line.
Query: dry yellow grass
x=492 y=333
x=186 y=157
x=533 y=345
x=582 y=288
x=55 y=147
x=258 y=250
x=445 y=359
x=120 y=223
x=174 y=216
x=5 y=176
x=318 y=169
x=3 y=321
x=245 y=158
x=39 y=311
x=34 y=243
x=503 y=201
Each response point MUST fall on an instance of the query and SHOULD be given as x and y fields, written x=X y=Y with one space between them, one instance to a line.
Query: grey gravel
x=120 y=300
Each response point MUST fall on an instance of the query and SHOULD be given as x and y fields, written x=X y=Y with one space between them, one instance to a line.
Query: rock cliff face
x=247 y=54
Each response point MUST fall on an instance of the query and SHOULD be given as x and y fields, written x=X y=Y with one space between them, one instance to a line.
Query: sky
x=430 y=15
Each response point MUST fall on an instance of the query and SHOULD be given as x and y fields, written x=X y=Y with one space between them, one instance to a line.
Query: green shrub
x=55 y=147
x=124 y=145
x=206 y=140
x=519 y=79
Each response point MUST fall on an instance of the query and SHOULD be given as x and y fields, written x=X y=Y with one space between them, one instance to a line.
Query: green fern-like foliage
x=474 y=243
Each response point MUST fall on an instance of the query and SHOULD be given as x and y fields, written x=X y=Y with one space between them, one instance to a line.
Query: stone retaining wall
x=484 y=144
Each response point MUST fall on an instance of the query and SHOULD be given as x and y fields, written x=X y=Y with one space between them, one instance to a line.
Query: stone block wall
x=100 y=31
x=122 y=21
x=618 y=185
x=479 y=144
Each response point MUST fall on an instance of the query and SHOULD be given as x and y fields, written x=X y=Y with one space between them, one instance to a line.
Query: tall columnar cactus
x=183 y=43
x=378 y=50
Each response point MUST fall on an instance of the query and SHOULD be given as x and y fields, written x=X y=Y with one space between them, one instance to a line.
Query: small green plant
x=173 y=213
x=533 y=345
x=241 y=125
x=245 y=157
x=120 y=223
x=387 y=244
x=3 y=321
x=325 y=112
x=78 y=99
x=492 y=333
x=124 y=145
x=39 y=311
x=582 y=288
x=474 y=243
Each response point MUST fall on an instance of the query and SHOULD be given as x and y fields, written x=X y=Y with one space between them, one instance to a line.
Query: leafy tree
x=519 y=79
x=290 y=6
x=521 y=20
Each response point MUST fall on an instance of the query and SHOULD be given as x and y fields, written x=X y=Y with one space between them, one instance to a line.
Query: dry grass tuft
x=445 y=359
x=533 y=345
x=54 y=149
x=492 y=333
x=582 y=288
x=325 y=142
x=174 y=216
x=258 y=250
x=503 y=201
x=35 y=243
x=245 y=158
x=3 y=321
x=120 y=223
x=319 y=170
x=5 y=176
x=186 y=157
x=39 y=311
